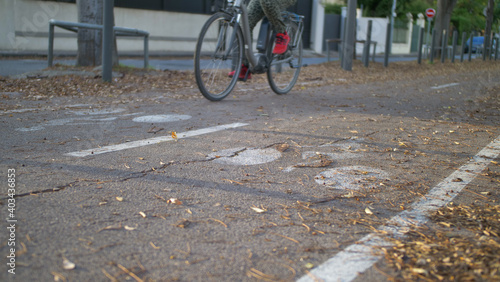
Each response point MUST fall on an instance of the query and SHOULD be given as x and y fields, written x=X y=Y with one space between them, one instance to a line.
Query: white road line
x=445 y=85
x=151 y=141
x=360 y=256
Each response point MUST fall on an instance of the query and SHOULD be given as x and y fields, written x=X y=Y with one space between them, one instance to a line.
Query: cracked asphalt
x=269 y=200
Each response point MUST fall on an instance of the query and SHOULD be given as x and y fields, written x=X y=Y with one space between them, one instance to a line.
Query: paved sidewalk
x=10 y=66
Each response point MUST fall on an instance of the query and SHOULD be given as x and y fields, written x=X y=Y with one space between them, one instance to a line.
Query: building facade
x=173 y=25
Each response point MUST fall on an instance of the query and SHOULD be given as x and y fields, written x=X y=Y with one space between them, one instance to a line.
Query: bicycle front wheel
x=219 y=52
x=284 y=69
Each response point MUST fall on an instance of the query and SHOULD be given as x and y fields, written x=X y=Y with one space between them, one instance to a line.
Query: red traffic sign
x=430 y=13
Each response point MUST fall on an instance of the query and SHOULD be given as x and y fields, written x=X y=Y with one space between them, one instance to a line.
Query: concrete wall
x=379 y=32
x=25 y=25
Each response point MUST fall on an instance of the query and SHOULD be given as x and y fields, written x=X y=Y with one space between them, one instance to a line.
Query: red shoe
x=282 y=40
x=243 y=73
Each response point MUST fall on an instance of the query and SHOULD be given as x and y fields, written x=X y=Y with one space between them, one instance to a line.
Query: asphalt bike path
x=257 y=186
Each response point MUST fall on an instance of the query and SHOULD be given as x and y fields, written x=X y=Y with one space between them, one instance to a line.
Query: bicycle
x=226 y=36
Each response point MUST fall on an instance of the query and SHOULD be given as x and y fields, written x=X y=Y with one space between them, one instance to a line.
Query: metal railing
x=119 y=31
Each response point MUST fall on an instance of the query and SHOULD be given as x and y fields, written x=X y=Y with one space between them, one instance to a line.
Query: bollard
x=50 y=56
x=433 y=45
x=453 y=48
x=496 y=50
x=443 y=45
x=107 y=41
x=464 y=38
x=490 y=53
x=366 y=49
x=471 y=43
x=387 y=45
x=420 y=44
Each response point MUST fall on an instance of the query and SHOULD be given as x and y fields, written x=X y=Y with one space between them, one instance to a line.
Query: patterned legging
x=257 y=9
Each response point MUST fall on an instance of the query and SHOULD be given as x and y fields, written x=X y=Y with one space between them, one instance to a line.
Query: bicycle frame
x=257 y=60
x=242 y=21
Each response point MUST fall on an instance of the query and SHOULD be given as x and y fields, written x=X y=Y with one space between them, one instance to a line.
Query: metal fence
x=119 y=31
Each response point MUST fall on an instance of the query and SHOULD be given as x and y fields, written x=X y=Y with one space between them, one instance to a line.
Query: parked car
x=477 y=41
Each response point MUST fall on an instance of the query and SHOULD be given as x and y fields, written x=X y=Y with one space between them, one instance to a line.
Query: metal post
x=471 y=43
x=464 y=38
x=107 y=41
x=393 y=14
x=420 y=43
x=327 y=50
x=348 y=51
x=429 y=21
x=443 y=45
x=433 y=45
x=366 y=50
x=342 y=42
x=50 y=56
x=387 y=45
x=146 y=51
x=490 y=53
x=453 y=48
x=496 y=50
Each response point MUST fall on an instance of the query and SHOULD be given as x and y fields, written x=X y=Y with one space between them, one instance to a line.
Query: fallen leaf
x=174 y=135
x=68 y=265
x=445 y=224
x=259 y=210
x=419 y=270
x=112 y=227
x=368 y=211
x=174 y=201
x=58 y=276
x=349 y=195
x=154 y=246
x=282 y=147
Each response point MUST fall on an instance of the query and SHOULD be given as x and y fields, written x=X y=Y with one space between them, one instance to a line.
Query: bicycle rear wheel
x=219 y=51
x=284 y=69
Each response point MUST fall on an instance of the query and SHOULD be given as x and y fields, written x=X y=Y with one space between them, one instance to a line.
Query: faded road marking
x=151 y=141
x=445 y=85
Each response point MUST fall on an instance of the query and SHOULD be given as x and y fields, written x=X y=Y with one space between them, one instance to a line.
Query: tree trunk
x=90 y=40
x=443 y=17
x=489 y=23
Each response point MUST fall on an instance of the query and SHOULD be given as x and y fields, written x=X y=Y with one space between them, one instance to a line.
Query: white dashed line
x=358 y=257
x=445 y=85
x=151 y=141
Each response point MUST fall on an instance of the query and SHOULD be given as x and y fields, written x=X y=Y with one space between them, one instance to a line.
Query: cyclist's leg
x=255 y=14
x=272 y=9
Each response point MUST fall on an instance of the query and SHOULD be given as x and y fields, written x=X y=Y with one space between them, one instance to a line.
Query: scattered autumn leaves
x=461 y=244
x=181 y=84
